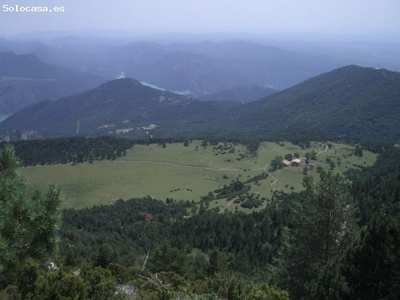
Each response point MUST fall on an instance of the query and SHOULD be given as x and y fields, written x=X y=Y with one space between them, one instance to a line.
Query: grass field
x=186 y=173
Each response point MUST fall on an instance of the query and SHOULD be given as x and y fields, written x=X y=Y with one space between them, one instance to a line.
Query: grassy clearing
x=187 y=173
x=194 y=155
x=103 y=182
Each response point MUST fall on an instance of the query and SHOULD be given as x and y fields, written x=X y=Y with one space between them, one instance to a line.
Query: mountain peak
x=351 y=100
x=368 y=71
x=118 y=102
x=123 y=82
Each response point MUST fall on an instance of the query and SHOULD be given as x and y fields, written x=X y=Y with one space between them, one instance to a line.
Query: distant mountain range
x=264 y=64
x=24 y=80
x=196 y=68
x=352 y=101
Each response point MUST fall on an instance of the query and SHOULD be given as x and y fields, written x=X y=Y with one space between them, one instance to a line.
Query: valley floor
x=189 y=173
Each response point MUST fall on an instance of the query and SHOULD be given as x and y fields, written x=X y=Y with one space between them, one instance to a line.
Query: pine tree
x=322 y=225
x=28 y=226
x=369 y=268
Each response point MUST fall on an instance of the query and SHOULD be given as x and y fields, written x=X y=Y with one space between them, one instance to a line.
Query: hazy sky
x=205 y=16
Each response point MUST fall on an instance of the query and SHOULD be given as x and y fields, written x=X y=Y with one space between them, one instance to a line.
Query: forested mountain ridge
x=119 y=104
x=24 y=80
x=351 y=101
x=242 y=93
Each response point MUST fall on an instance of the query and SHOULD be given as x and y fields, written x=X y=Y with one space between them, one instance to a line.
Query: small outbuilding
x=296 y=162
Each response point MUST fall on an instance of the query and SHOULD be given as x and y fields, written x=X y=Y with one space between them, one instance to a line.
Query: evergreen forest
x=339 y=238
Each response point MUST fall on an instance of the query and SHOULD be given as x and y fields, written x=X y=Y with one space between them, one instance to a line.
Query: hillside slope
x=264 y=64
x=149 y=62
x=119 y=104
x=242 y=93
x=199 y=68
x=24 y=80
x=353 y=101
x=173 y=70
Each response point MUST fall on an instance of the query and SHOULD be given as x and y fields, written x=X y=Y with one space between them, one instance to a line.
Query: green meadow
x=187 y=173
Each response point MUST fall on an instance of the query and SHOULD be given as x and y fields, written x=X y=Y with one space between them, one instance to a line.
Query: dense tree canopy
x=338 y=239
x=28 y=226
x=323 y=221
x=370 y=266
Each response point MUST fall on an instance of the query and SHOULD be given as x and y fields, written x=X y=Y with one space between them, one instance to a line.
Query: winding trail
x=154 y=162
x=326 y=149
x=269 y=174
x=169 y=164
x=275 y=179
x=222 y=210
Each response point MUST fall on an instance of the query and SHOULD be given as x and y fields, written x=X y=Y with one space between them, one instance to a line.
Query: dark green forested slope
x=335 y=240
x=70 y=150
x=290 y=244
x=353 y=101
x=123 y=103
x=242 y=93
